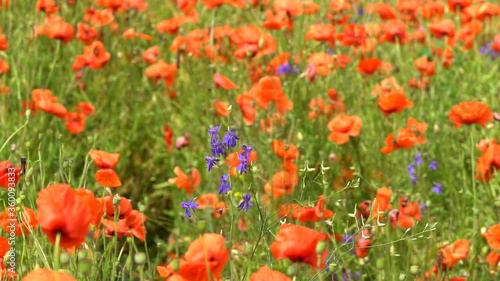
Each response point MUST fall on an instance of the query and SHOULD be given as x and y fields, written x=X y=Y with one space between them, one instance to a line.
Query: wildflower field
x=262 y=140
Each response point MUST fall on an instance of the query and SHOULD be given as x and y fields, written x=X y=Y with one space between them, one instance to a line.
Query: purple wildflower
x=286 y=69
x=245 y=204
x=189 y=206
x=244 y=158
x=486 y=50
x=224 y=186
x=211 y=162
x=423 y=207
x=218 y=148
x=230 y=139
x=213 y=132
x=438 y=188
x=418 y=159
x=433 y=165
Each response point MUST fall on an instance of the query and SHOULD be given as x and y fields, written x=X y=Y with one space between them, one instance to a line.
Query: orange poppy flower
x=458 y=5
x=381 y=203
x=431 y=9
x=171 y=26
x=7 y=170
x=353 y=35
x=211 y=200
x=98 y=17
x=363 y=244
x=282 y=182
x=221 y=108
x=285 y=151
x=4 y=67
x=493 y=259
x=45 y=274
x=184 y=182
x=393 y=102
x=105 y=161
x=344 y=126
x=319 y=107
x=425 y=66
x=277 y=21
x=168 y=134
x=251 y=40
x=322 y=32
x=224 y=82
x=470 y=112
x=386 y=86
x=131 y=225
x=298 y=244
x=24 y=222
x=204 y=260
x=44 y=101
x=489 y=161
x=4 y=43
x=443 y=28
x=268 y=90
x=94 y=56
x=96 y=208
x=55 y=27
x=75 y=122
x=495 y=45
x=85 y=108
x=245 y=102
x=266 y=274
x=62 y=212
x=4 y=4
x=162 y=70
x=313 y=214
x=454 y=253
x=323 y=63
x=47 y=6
x=384 y=10
x=394 y=32
x=291 y=7
x=130 y=33
x=492 y=236
x=120 y=211
x=151 y=54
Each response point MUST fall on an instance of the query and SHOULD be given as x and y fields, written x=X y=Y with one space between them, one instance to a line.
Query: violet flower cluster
x=412 y=172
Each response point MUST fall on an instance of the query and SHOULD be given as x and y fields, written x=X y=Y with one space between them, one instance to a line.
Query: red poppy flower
x=45 y=274
x=344 y=126
x=61 y=211
x=393 y=102
x=470 y=112
x=298 y=244
x=105 y=161
x=266 y=274
x=8 y=173
x=25 y=222
x=224 y=82
x=184 y=182
x=282 y=182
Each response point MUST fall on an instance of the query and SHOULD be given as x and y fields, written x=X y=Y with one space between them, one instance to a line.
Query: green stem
x=56 y=251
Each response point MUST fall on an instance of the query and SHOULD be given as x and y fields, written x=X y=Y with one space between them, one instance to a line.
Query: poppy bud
x=175 y=265
x=65 y=258
x=320 y=247
x=414 y=269
x=84 y=266
x=82 y=255
x=27 y=113
x=28 y=144
x=140 y=258
x=201 y=225
x=380 y=263
x=117 y=200
x=402 y=276
x=291 y=271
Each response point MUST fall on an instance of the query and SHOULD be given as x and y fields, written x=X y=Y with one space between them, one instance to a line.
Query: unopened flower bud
x=140 y=258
